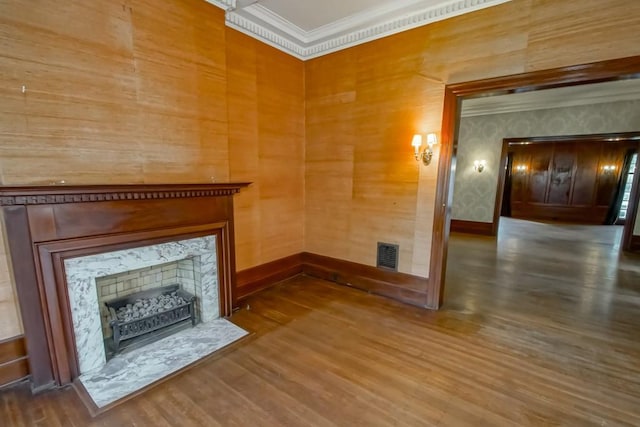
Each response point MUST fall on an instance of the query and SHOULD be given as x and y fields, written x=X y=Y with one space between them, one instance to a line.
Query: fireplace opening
x=138 y=307
x=148 y=315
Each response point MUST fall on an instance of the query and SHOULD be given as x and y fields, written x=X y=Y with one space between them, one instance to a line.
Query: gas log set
x=143 y=307
x=149 y=312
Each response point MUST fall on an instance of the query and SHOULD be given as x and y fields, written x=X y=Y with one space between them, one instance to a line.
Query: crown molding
x=259 y=22
x=268 y=36
x=223 y=4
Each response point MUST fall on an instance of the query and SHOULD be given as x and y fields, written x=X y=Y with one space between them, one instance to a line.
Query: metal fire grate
x=387 y=256
x=125 y=330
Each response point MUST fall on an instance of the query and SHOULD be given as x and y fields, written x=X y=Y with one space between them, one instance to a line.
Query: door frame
x=610 y=70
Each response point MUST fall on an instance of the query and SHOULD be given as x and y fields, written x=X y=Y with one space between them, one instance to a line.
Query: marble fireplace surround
x=48 y=226
x=81 y=274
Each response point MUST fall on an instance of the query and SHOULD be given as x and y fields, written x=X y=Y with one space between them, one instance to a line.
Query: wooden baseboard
x=255 y=279
x=634 y=244
x=472 y=227
x=14 y=365
x=568 y=214
x=399 y=286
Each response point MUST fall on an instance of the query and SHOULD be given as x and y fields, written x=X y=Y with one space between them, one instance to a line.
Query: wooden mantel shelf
x=55 y=194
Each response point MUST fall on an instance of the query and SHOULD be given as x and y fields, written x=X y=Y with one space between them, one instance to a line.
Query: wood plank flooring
x=540 y=327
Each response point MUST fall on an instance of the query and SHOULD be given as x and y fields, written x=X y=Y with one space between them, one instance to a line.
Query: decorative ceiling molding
x=261 y=23
x=270 y=37
x=223 y=4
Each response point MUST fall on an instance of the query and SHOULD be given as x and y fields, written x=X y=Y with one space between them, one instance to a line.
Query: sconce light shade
x=521 y=168
x=479 y=165
x=426 y=154
x=609 y=168
x=416 y=141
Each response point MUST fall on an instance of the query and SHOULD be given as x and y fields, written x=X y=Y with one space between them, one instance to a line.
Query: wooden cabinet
x=565 y=180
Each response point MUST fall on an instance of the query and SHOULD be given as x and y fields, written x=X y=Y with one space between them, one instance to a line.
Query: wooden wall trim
x=443 y=199
x=399 y=286
x=472 y=227
x=14 y=364
x=402 y=287
x=257 y=278
x=34 y=320
x=632 y=211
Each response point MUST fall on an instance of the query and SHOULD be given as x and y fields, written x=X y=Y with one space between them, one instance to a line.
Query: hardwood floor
x=540 y=327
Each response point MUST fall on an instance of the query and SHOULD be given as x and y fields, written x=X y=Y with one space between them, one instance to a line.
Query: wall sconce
x=521 y=168
x=427 y=154
x=479 y=165
x=609 y=168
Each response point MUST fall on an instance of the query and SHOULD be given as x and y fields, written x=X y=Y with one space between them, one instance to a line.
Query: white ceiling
x=309 y=15
x=310 y=28
x=570 y=96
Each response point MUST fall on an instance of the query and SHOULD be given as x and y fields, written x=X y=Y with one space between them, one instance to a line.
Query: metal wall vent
x=387 y=256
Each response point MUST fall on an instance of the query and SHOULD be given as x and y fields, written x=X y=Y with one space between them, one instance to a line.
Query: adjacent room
x=241 y=212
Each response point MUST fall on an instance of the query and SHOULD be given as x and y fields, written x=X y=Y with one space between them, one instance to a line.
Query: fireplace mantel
x=47 y=224
x=55 y=194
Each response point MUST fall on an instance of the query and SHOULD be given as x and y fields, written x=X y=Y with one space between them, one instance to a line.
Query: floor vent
x=387 y=256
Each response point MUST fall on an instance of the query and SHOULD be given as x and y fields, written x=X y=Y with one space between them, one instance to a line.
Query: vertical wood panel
x=266 y=135
x=539 y=180
x=586 y=173
x=562 y=174
x=563 y=33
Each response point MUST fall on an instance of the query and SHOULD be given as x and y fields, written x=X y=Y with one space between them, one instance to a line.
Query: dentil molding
x=259 y=22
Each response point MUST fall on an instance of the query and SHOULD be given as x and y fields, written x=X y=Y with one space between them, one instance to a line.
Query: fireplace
x=65 y=241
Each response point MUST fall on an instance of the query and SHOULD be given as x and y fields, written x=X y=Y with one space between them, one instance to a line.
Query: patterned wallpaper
x=481 y=137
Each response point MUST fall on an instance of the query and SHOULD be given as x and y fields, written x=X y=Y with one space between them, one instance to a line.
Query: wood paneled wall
x=566 y=180
x=266 y=142
x=135 y=91
x=116 y=92
x=364 y=103
x=159 y=91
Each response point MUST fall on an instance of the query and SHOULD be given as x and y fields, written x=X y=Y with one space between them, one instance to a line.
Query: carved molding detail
x=265 y=35
x=11 y=196
x=259 y=22
x=223 y=4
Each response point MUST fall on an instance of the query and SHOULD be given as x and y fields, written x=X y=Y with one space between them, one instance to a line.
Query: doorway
x=454 y=94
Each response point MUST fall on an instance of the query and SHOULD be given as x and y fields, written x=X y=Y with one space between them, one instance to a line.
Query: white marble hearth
x=129 y=372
